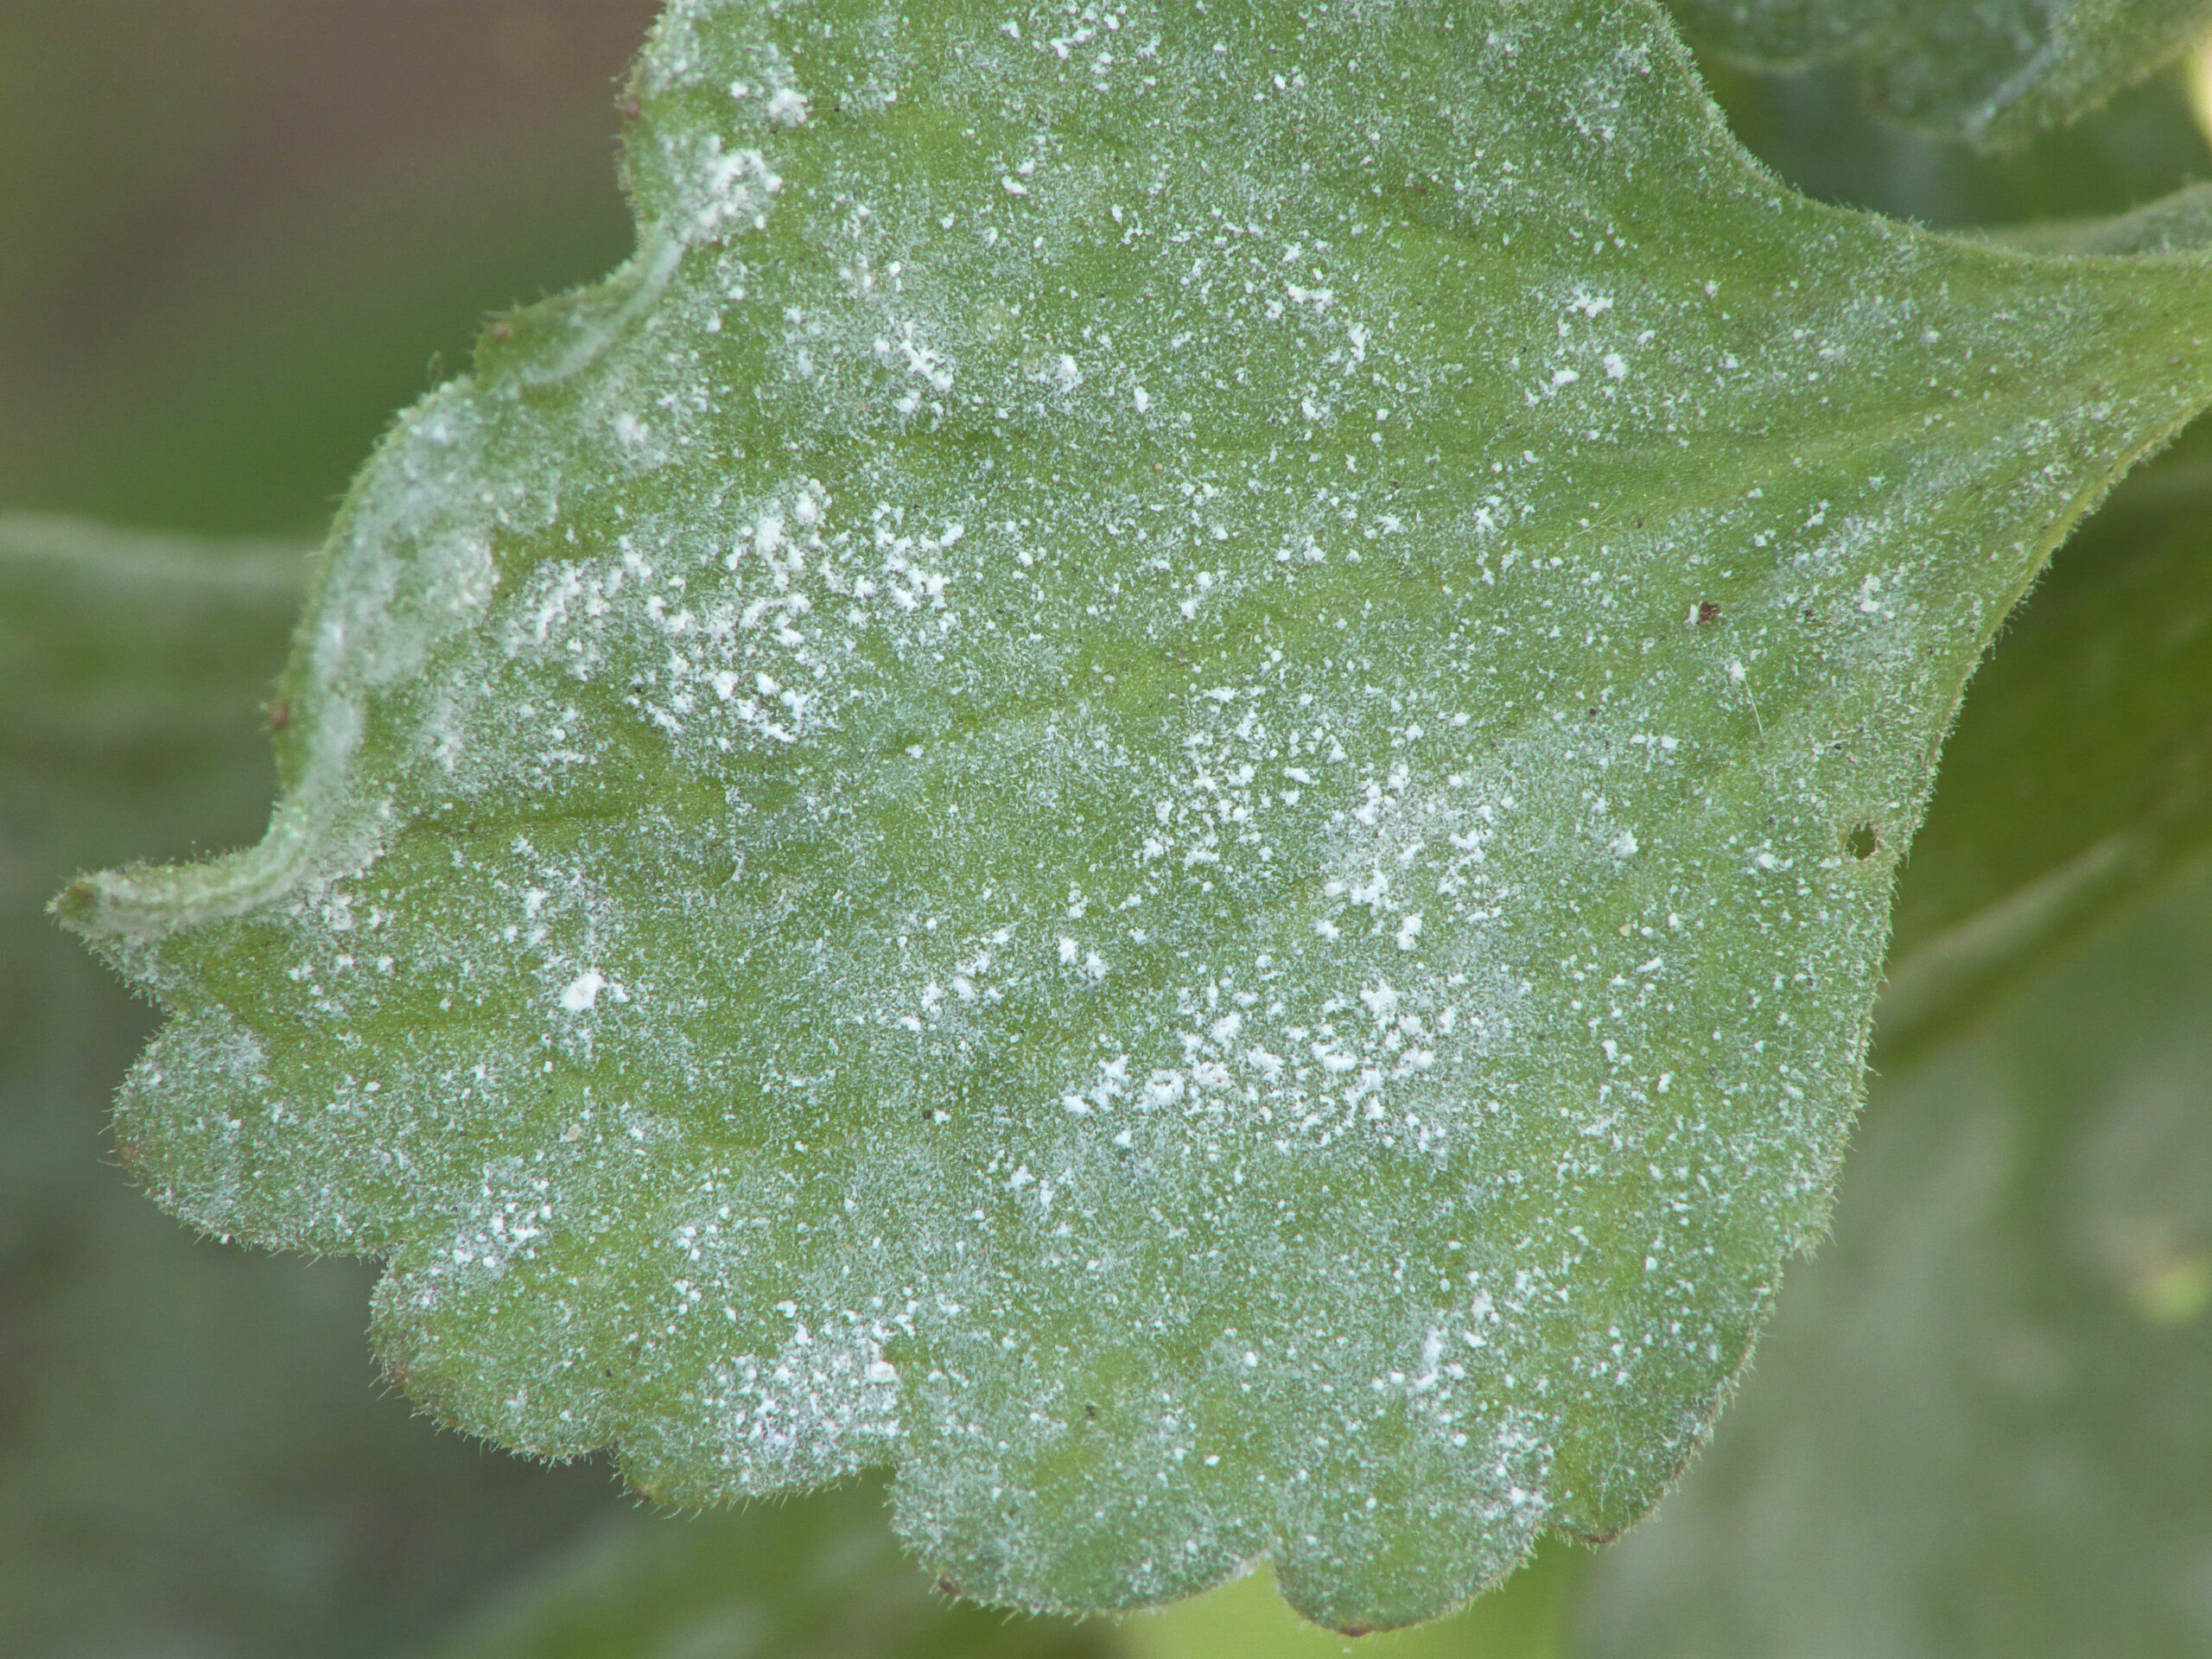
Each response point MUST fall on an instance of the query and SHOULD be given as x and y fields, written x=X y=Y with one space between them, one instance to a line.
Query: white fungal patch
x=817 y=1410
x=582 y=992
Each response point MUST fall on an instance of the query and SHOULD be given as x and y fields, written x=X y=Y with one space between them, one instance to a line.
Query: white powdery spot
x=582 y=992
x=1451 y=1387
x=827 y=1403
x=1521 y=1463
x=714 y=188
x=917 y=359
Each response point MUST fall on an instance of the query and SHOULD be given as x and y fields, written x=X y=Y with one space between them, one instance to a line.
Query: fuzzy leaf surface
x=1992 y=72
x=1137 y=782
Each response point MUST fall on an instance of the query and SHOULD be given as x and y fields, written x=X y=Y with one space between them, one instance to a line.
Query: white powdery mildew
x=217 y=1046
x=715 y=190
x=510 y=1214
x=1303 y=1050
x=747 y=624
x=823 y=1406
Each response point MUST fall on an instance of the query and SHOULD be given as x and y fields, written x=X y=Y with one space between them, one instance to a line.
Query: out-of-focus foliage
x=1810 y=127
x=1526 y=1618
x=236 y=235
x=2173 y=224
x=819 y=1577
x=1992 y=72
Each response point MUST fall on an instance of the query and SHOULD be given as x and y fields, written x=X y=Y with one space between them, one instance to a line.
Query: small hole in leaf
x=1862 y=841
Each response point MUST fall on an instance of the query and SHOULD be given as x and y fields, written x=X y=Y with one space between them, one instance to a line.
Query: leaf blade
x=1053 y=891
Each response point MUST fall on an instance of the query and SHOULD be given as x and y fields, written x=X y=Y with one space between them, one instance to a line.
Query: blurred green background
x=236 y=237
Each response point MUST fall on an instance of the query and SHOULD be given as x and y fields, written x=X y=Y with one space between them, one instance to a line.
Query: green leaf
x=190 y=1461
x=819 y=1578
x=1135 y=782
x=1993 y=72
x=1977 y=1424
x=2079 y=781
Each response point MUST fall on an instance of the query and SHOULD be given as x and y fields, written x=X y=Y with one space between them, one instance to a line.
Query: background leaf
x=1811 y=126
x=1992 y=74
x=2174 y=224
